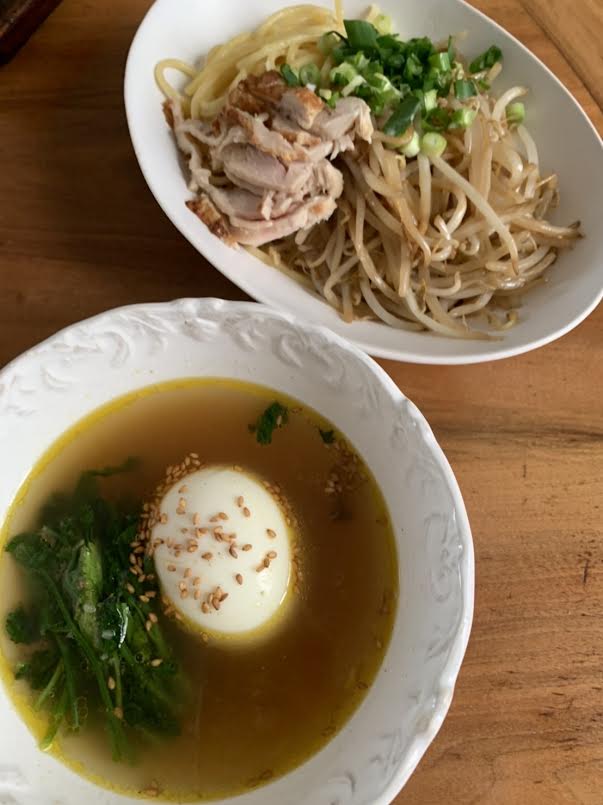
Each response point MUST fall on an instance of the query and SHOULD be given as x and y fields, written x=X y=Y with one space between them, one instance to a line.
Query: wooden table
x=80 y=232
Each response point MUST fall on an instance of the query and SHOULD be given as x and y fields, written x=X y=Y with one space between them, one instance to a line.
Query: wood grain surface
x=80 y=233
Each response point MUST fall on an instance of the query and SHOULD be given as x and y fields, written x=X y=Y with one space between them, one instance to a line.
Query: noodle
x=428 y=243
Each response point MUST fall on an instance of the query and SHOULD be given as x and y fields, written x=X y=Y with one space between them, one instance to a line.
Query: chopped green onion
x=433 y=144
x=464 y=89
x=430 y=100
x=486 y=60
x=437 y=119
x=462 y=118
x=384 y=25
x=325 y=94
x=309 y=74
x=332 y=101
x=343 y=74
x=412 y=148
x=440 y=61
x=451 y=51
x=483 y=85
x=402 y=117
x=359 y=61
x=328 y=42
x=290 y=76
x=516 y=113
x=356 y=82
x=361 y=35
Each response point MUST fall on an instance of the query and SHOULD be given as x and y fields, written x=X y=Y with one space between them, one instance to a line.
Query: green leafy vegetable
x=486 y=60
x=328 y=436
x=91 y=622
x=361 y=35
x=22 y=626
x=275 y=416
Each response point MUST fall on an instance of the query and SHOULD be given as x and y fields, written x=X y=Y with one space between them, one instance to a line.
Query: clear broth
x=257 y=709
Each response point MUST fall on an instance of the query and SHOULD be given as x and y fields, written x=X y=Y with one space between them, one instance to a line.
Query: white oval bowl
x=568 y=144
x=56 y=383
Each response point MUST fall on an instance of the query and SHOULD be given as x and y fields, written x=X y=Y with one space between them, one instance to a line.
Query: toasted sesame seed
x=222 y=515
x=261 y=567
x=156 y=663
x=196 y=518
x=163 y=518
x=240 y=501
x=215 y=602
x=247 y=547
x=214 y=519
x=178 y=616
x=183 y=593
x=153 y=618
x=171 y=568
x=187 y=572
x=196 y=581
x=271 y=554
x=266 y=562
x=197 y=595
x=132 y=559
x=148 y=625
x=134 y=570
x=144 y=598
x=246 y=512
x=205 y=607
x=111 y=683
x=233 y=552
x=150 y=593
x=224 y=596
x=237 y=468
x=239 y=578
x=182 y=585
x=271 y=533
x=202 y=531
x=118 y=713
x=183 y=489
x=192 y=547
x=183 y=530
x=130 y=588
x=207 y=555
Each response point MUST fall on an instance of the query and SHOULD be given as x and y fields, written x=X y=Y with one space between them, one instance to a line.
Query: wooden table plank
x=80 y=232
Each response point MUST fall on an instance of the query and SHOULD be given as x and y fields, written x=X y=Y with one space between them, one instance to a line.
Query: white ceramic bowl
x=48 y=388
x=567 y=142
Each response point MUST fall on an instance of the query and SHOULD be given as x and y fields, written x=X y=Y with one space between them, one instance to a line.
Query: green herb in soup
x=201 y=621
x=94 y=624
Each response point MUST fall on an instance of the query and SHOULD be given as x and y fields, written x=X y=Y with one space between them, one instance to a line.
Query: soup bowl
x=49 y=388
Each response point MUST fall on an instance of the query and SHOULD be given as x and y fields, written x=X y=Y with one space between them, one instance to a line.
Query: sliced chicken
x=263 y=166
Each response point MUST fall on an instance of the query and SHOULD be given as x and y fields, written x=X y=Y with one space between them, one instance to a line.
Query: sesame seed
x=164 y=518
x=215 y=602
x=132 y=559
x=247 y=547
x=233 y=552
x=178 y=616
x=224 y=596
x=214 y=519
x=271 y=554
x=183 y=530
x=246 y=512
x=271 y=533
x=156 y=663
x=183 y=488
x=130 y=588
x=205 y=607
x=196 y=518
x=183 y=593
x=222 y=515
x=239 y=578
x=197 y=595
x=151 y=593
x=118 y=713
x=261 y=567
x=237 y=468
x=207 y=556
x=240 y=501
x=196 y=581
x=145 y=599
x=171 y=568
x=202 y=531
x=187 y=572
x=182 y=585
x=153 y=618
x=111 y=683
x=148 y=625
x=192 y=547
x=266 y=562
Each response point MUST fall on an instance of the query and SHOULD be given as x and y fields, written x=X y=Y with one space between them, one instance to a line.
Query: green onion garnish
x=462 y=118
x=309 y=74
x=516 y=113
x=433 y=144
x=290 y=76
x=464 y=89
x=412 y=148
x=440 y=61
x=402 y=117
x=361 y=35
x=486 y=60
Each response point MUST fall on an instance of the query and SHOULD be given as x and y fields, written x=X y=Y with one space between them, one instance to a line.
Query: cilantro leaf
x=275 y=416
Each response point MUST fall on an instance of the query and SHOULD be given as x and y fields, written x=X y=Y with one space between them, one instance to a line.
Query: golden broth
x=257 y=708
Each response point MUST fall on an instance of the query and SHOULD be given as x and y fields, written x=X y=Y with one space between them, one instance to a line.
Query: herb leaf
x=328 y=436
x=275 y=416
x=22 y=626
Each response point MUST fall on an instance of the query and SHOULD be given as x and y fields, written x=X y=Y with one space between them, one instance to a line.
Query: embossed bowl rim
x=52 y=385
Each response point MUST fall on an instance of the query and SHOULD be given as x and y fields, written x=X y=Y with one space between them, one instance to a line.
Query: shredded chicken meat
x=263 y=168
